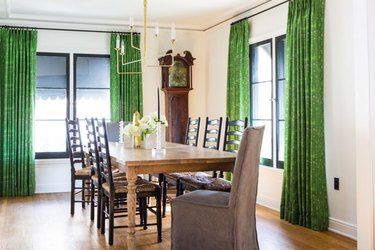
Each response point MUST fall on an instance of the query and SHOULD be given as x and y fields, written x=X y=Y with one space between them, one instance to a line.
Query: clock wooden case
x=176 y=84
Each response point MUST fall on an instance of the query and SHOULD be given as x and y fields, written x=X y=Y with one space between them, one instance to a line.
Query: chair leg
x=99 y=209
x=144 y=212
x=92 y=204
x=140 y=202
x=158 y=214
x=180 y=188
x=161 y=180
x=111 y=221
x=164 y=193
x=83 y=194
x=72 y=196
x=102 y=214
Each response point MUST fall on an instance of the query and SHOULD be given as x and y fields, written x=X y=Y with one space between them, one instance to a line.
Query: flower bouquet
x=145 y=129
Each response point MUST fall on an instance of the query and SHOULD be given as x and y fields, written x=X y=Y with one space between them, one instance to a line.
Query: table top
x=177 y=157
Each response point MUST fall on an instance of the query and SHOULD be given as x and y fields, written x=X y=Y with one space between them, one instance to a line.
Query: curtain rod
x=74 y=30
x=260 y=12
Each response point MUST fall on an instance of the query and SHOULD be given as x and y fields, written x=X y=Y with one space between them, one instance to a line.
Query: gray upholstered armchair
x=217 y=220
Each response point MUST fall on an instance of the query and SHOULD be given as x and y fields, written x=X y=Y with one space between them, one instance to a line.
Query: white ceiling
x=186 y=14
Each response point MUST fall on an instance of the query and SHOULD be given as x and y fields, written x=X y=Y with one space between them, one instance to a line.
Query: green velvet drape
x=304 y=195
x=238 y=79
x=17 y=98
x=126 y=89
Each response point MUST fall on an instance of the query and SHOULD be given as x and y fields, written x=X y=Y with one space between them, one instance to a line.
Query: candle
x=122 y=47
x=173 y=32
x=117 y=41
x=158 y=106
x=156 y=30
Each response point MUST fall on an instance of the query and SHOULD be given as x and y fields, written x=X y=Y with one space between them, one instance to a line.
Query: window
x=51 y=105
x=90 y=98
x=92 y=74
x=267 y=97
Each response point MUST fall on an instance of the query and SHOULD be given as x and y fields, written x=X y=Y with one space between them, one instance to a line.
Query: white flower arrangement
x=132 y=130
x=147 y=125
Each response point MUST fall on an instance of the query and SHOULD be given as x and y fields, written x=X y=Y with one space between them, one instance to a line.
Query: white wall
x=339 y=107
x=54 y=175
x=365 y=124
x=339 y=104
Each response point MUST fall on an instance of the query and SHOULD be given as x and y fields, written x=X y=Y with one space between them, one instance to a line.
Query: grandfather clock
x=176 y=84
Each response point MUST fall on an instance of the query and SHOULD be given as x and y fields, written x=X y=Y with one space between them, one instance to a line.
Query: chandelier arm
x=131 y=42
x=145 y=29
x=125 y=73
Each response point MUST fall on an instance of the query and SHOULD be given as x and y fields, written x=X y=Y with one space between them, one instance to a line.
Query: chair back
x=233 y=133
x=192 y=132
x=105 y=165
x=212 y=133
x=244 y=187
x=75 y=149
x=92 y=147
x=113 y=131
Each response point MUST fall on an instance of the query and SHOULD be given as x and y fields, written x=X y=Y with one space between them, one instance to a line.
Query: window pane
x=280 y=58
x=261 y=100
x=261 y=63
x=92 y=72
x=281 y=140
x=50 y=104
x=51 y=71
x=281 y=100
x=50 y=136
x=93 y=103
x=266 y=151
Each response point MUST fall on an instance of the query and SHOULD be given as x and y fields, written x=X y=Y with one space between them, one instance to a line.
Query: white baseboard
x=335 y=225
x=343 y=228
x=268 y=202
x=52 y=188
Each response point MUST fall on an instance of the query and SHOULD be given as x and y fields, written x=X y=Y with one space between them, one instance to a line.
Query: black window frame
x=55 y=155
x=279 y=164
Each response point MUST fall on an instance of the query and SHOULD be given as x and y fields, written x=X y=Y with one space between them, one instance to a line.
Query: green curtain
x=126 y=89
x=17 y=98
x=238 y=81
x=304 y=195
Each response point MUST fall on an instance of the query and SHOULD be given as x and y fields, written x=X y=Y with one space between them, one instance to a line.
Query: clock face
x=178 y=75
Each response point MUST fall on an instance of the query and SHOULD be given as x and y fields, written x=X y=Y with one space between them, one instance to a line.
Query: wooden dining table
x=175 y=158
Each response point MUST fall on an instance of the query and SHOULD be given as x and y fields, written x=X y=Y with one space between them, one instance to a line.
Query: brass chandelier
x=121 y=59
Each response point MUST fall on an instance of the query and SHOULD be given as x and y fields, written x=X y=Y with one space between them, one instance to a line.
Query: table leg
x=132 y=177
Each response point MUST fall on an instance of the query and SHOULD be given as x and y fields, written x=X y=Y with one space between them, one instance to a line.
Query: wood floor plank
x=43 y=221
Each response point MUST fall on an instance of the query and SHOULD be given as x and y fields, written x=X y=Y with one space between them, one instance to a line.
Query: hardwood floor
x=43 y=222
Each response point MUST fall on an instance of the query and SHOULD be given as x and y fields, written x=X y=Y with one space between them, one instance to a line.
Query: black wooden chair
x=96 y=183
x=192 y=132
x=78 y=169
x=212 y=133
x=232 y=138
x=114 y=191
x=233 y=134
x=171 y=179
